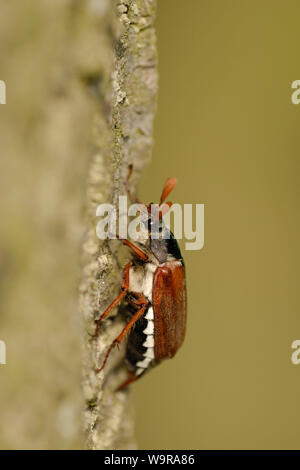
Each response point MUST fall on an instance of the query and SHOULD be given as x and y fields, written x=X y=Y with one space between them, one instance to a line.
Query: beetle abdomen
x=140 y=346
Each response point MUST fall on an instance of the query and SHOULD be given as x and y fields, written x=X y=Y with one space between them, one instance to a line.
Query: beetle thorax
x=141 y=279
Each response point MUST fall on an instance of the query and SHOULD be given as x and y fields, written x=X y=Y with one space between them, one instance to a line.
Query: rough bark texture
x=69 y=66
x=124 y=128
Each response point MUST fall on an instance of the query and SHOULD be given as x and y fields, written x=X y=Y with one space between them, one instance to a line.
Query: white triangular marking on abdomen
x=145 y=363
x=149 y=330
x=149 y=353
x=149 y=315
x=149 y=343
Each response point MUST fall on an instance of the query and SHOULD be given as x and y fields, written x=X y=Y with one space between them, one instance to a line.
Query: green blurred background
x=227 y=129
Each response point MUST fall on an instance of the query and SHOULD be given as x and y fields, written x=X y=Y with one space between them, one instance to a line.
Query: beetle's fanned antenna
x=168 y=187
x=162 y=210
x=165 y=208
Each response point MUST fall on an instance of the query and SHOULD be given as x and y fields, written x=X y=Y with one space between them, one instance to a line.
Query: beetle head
x=157 y=232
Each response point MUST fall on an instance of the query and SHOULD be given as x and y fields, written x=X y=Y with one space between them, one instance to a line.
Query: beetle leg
x=125 y=330
x=131 y=378
x=138 y=252
x=117 y=300
x=138 y=300
x=131 y=195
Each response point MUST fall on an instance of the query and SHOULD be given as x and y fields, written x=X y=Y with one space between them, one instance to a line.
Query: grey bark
x=69 y=66
x=123 y=135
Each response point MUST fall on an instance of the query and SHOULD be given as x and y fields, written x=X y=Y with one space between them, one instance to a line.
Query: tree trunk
x=69 y=66
x=124 y=132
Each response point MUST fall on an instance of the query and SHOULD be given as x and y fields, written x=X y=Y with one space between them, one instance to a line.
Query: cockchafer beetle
x=154 y=289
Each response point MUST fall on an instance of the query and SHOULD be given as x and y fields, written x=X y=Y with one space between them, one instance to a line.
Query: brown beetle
x=155 y=293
